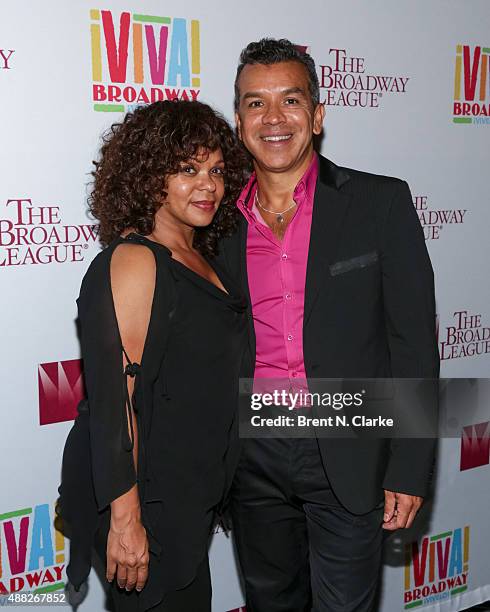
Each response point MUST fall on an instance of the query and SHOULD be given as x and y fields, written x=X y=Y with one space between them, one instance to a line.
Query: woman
x=163 y=325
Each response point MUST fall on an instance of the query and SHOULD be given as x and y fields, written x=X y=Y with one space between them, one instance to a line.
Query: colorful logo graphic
x=347 y=84
x=475 y=446
x=35 y=235
x=32 y=551
x=60 y=390
x=151 y=58
x=471 y=85
x=433 y=221
x=5 y=57
x=436 y=568
x=466 y=338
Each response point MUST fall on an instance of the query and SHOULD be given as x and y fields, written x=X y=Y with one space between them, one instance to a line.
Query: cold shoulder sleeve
x=113 y=468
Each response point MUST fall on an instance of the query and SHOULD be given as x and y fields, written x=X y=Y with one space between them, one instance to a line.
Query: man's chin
x=274 y=164
x=280 y=162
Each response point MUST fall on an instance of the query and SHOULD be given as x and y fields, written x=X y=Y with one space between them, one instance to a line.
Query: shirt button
x=284 y=256
x=288 y=296
x=290 y=337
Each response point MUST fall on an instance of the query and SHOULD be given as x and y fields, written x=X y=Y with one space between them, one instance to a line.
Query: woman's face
x=195 y=192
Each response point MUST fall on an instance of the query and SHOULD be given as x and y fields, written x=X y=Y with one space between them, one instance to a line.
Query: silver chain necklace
x=279 y=215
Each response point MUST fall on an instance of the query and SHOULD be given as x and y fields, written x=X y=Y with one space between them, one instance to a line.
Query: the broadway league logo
x=5 y=58
x=433 y=221
x=60 y=390
x=35 y=235
x=466 y=338
x=471 y=85
x=436 y=568
x=150 y=58
x=32 y=551
x=475 y=446
x=347 y=84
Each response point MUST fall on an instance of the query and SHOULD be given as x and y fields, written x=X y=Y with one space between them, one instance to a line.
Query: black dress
x=186 y=401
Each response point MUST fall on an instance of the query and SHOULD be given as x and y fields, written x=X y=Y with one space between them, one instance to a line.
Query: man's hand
x=400 y=510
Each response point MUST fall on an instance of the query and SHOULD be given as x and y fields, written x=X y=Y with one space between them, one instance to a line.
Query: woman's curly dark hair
x=150 y=144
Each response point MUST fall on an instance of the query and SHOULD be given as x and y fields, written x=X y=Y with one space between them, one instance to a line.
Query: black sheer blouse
x=186 y=401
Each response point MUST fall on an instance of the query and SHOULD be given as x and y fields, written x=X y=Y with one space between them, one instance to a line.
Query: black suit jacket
x=369 y=312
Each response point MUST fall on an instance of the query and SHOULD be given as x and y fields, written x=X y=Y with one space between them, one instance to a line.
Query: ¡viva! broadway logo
x=472 y=85
x=139 y=59
x=437 y=568
x=32 y=551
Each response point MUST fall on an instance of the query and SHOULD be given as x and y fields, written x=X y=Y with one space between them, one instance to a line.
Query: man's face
x=276 y=119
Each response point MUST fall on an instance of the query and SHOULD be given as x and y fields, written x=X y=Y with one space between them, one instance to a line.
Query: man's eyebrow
x=294 y=90
x=285 y=92
x=252 y=94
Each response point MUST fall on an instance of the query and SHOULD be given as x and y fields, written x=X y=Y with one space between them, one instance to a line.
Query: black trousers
x=298 y=548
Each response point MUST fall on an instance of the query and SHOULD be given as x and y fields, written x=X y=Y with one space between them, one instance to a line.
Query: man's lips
x=206 y=205
x=276 y=138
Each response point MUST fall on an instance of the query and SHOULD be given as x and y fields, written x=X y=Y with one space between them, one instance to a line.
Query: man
x=340 y=285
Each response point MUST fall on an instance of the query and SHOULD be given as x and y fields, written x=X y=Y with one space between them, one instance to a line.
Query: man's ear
x=238 y=124
x=318 y=117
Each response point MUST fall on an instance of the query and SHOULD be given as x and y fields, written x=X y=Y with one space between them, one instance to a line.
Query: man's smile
x=277 y=138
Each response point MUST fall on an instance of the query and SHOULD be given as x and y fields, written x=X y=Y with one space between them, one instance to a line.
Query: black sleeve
x=112 y=458
x=409 y=305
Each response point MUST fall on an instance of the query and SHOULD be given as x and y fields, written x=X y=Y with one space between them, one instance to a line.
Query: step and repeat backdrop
x=406 y=87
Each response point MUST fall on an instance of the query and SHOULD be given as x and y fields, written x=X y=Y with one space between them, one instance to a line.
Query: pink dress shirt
x=277 y=278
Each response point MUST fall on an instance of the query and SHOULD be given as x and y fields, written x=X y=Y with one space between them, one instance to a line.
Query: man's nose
x=273 y=115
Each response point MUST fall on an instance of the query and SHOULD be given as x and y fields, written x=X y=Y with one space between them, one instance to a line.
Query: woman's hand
x=127 y=544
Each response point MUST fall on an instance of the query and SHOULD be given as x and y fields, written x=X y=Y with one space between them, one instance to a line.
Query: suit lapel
x=242 y=236
x=329 y=211
x=234 y=258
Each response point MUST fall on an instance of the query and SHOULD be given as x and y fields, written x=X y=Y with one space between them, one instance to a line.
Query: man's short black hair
x=271 y=51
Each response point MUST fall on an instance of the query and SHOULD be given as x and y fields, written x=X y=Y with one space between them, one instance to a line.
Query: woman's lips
x=206 y=205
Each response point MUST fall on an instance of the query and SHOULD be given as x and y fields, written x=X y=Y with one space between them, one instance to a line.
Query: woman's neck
x=173 y=235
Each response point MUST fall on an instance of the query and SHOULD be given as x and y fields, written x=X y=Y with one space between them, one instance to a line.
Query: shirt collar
x=306 y=185
x=307 y=182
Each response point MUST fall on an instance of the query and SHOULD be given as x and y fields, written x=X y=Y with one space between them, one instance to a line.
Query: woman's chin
x=202 y=219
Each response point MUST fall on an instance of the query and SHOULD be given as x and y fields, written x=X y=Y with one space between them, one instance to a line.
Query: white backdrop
x=412 y=62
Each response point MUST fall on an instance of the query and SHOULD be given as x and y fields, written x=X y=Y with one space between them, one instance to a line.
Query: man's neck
x=276 y=188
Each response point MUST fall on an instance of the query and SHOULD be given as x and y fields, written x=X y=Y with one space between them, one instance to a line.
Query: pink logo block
x=302 y=49
x=475 y=446
x=60 y=390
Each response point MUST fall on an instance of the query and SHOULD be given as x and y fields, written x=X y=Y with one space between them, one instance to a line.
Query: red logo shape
x=60 y=390
x=242 y=609
x=475 y=446
x=302 y=49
